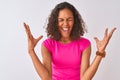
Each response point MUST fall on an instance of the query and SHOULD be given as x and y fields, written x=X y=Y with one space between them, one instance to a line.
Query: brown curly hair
x=52 y=26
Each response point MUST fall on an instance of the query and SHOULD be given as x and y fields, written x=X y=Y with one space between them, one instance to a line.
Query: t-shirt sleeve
x=47 y=44
x=84 y=43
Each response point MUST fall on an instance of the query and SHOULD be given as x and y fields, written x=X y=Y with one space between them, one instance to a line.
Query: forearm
x=40 y=68
x=90 y=72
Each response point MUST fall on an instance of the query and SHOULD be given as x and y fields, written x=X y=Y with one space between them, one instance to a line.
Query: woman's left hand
x=101 y=44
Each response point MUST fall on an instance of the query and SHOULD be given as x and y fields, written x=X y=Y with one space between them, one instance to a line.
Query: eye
x=70 y=20
x=60 y=20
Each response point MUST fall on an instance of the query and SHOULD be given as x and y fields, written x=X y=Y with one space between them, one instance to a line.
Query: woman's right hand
x=31 y=40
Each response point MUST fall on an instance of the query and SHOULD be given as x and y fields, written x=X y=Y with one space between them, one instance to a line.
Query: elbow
x=46 y=78
x=85 y=78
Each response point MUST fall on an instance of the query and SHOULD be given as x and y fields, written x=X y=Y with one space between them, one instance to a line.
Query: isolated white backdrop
x=15 y=63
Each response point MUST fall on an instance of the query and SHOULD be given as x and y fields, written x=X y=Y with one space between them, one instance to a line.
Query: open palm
x=101 y=44
x=31 y=40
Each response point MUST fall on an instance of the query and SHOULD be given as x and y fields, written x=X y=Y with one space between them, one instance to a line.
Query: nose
x=65 y=23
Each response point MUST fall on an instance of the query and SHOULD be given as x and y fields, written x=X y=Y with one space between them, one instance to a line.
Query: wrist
x=31 y=51
x=101 y=53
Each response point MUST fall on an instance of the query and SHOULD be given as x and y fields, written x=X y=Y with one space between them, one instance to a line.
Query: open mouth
x=65 y=29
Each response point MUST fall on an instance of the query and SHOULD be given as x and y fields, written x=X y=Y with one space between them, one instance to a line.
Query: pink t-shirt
x=66 y=58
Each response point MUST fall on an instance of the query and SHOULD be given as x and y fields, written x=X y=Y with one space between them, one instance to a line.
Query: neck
x=65 y=40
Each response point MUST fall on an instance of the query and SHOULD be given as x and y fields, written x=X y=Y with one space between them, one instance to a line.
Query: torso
x=66 y=59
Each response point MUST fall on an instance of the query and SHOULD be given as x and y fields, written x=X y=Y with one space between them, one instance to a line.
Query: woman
x=65 y=53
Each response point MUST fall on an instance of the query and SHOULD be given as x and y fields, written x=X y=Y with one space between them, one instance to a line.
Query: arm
x=88 y=71
x=41 y=69
x=47 y=62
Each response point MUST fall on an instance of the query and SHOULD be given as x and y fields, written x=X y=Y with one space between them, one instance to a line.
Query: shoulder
x=48 y=43
x=47 y=40
x=84 y=42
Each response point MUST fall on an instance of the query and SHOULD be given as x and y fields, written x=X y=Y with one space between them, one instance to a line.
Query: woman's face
x=65 y=22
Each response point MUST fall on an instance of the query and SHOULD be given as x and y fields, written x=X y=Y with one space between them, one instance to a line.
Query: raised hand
x=31 y=40
x=101 y=44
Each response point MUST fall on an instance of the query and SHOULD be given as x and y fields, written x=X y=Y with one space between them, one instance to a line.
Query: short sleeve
x=47 y=43
x=84 y=43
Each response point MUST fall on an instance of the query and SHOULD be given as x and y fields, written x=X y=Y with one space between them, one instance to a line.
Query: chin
x=65 y=36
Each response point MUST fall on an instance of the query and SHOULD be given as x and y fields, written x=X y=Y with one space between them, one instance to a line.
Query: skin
x=65 y=25
x=43 y=69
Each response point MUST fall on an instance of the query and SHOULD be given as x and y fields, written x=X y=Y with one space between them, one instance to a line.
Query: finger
x=106 y=32
x=96 y=39
x=25 y=26
x=40 y=37
x=111 y=32
x=27 y=29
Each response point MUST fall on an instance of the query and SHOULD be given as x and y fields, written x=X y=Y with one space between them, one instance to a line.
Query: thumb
x=96 y=39
x=40 y=37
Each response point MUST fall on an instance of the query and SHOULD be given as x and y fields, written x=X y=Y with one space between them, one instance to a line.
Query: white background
x=15 y=63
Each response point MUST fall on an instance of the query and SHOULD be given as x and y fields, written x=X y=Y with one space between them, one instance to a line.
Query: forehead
x=65 y=13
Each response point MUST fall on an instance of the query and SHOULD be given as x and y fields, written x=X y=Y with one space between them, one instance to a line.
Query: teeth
x=65 y=29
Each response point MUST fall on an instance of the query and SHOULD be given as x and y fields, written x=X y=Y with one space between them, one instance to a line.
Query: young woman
x=66 y=53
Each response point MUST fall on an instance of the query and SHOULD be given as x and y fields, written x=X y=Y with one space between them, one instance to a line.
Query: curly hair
x=52 y=26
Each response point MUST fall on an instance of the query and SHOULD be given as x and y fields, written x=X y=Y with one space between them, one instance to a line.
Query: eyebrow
x=67 y=18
